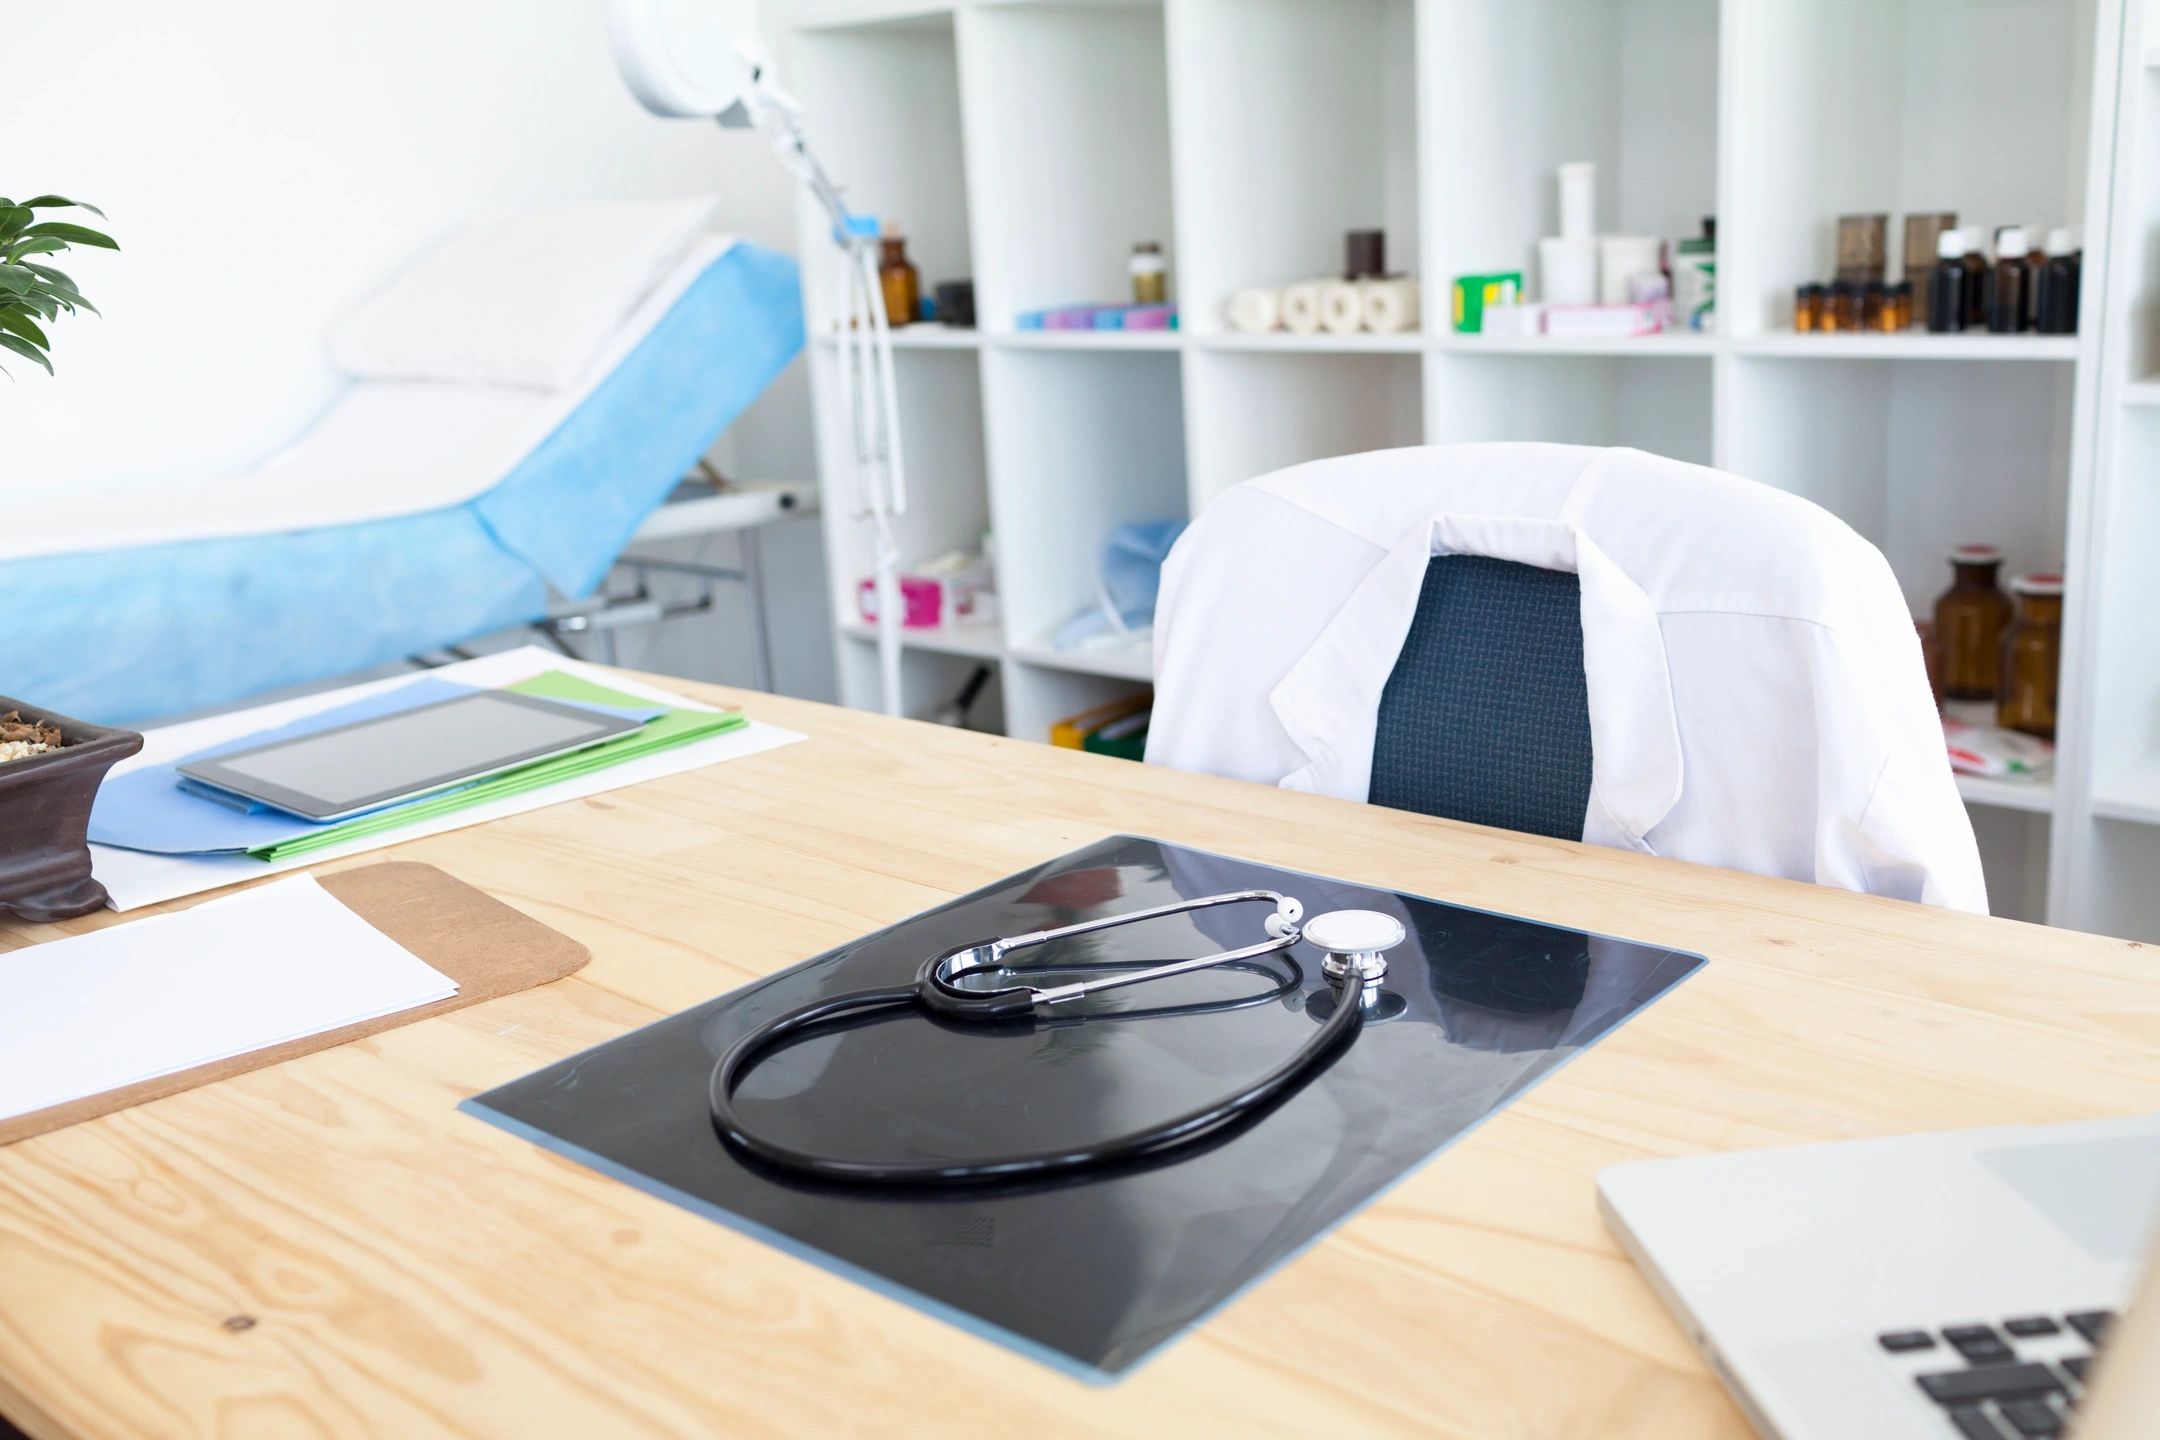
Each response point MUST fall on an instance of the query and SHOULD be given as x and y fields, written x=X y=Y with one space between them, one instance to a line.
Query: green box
x=1474 y=292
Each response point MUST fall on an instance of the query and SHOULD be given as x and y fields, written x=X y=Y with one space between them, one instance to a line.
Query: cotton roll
x=1578 y=200
x=1342 y=309
x=1255 y=311
x=1567 y=271
x=1621 y=258
x=1301 y=306
x=1389 y=306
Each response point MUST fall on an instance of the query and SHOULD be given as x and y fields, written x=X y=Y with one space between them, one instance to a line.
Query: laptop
x=1955 y=1286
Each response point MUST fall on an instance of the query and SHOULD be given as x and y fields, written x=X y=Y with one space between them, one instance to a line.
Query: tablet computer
x=368 y=764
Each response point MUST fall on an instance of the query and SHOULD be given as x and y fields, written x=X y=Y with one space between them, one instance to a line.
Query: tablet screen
x=355 y=767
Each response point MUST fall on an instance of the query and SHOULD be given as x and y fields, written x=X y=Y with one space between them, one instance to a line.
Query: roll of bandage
x=1255 y=311
x=1389 y=306
x=1301 y=306
x=1342 y=309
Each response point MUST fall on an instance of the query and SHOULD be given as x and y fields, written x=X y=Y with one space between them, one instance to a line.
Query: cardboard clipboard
x=489 y=949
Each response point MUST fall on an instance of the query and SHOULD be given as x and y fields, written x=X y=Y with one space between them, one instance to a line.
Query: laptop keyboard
x=2010 y=1381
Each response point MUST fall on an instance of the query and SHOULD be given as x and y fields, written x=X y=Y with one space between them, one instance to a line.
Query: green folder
x=662 y=732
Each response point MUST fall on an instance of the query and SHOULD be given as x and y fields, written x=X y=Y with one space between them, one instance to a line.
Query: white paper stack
x=131 y=1002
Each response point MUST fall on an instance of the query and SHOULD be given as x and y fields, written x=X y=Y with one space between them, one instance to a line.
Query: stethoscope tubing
x=1149 y=1143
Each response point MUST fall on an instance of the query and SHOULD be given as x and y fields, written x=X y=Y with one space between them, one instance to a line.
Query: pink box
x=921 y=602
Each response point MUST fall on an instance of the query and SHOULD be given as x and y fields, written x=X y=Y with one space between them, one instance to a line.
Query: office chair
x=1486 y=715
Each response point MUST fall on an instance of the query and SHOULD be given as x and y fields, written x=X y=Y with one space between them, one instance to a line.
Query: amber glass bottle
x=1976 y=278
x=1969 y=622
x=897 y=277
x=1808 y=306
x=2032 y=657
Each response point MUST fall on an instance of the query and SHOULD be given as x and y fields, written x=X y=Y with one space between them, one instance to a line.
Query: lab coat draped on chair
x=1756 y=691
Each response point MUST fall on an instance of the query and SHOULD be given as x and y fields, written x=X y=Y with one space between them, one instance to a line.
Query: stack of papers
x=155 y=809
x=129 y=1003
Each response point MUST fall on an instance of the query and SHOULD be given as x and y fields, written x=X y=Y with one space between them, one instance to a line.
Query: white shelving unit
x=1028 y=144
x=2111 y=816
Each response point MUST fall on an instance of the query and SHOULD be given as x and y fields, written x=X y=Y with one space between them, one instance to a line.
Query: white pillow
x=523 y=300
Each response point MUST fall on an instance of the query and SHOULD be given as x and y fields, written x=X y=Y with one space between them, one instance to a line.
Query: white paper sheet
x=134 y=879
x=94 y=1012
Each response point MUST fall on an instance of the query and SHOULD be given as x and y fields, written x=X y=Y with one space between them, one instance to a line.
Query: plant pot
x=45 y=817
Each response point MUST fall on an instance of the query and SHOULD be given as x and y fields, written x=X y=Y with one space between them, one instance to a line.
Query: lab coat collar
x=1329 y=701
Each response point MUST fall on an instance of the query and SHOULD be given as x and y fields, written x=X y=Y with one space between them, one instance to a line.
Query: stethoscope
x=1356 y=942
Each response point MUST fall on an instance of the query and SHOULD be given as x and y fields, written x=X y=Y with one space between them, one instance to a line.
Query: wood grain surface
x=327 y=1248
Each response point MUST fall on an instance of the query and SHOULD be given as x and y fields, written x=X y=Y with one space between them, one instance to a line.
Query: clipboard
x=488 y=948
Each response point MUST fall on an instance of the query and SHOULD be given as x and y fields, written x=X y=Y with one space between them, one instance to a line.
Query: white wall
x=263 y=164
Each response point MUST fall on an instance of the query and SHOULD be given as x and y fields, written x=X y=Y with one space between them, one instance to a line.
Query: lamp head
x=688 y=58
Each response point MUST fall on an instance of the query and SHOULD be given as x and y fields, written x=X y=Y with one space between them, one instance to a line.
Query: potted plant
x=32 y=293
x=50 y=765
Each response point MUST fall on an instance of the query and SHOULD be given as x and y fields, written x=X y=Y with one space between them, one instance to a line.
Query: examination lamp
x=700 y=59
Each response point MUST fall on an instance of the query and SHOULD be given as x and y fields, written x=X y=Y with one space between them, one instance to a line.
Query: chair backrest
x=1486 y=716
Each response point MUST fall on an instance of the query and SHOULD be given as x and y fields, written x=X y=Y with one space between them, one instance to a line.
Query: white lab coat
x=1756 y=692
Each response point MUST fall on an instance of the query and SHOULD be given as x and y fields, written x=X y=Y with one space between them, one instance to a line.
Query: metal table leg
x=753 y=573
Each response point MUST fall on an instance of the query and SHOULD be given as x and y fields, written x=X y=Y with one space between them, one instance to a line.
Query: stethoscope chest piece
x=1356 y=942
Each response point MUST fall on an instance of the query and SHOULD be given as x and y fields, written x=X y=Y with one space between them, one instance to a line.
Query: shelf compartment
x=1292 y=121
x=1080 y=443
x=1916 y=455
x=1038 y=696
x=1517 y=87
x=929 y=681
x=912 y=176
x=1659 y=405
x=1069 y=118
x=942 y=436
x=1894 y=107
x=1253 y=412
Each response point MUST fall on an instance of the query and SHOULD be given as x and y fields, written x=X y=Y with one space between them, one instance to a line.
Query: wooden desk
x=409 y=1271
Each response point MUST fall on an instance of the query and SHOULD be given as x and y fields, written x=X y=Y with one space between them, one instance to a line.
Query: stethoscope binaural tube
x=933 y=993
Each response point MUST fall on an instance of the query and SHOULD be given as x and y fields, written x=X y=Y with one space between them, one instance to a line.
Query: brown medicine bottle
x=1976 y=279
x=2009 y=307
x=900 y=282
x=2032 y=657
x=1969 y=621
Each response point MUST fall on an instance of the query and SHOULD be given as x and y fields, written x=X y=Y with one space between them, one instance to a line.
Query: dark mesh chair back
x=1486 y=716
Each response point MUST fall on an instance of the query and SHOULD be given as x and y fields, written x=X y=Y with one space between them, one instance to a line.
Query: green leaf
x=58 y=279
x=25 y=349
x=73 y=234
x=43 y=245
x=48 y=202
x=72 y=299
x=13 y=218
x=45 y=306
x=21 y=324
x=16 y=278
